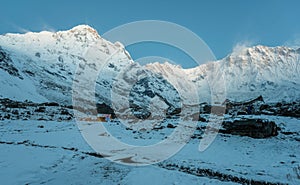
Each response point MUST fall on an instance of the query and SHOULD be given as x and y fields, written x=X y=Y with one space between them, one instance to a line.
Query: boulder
x=255 y=128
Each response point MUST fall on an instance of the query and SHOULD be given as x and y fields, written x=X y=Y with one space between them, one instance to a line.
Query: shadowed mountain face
x=149 y=87
x=7 y=64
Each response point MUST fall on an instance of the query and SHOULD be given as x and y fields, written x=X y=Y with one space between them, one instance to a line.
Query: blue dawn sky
x=221 y=24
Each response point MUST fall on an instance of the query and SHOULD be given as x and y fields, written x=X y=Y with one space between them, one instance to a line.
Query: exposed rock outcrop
x=255 y=128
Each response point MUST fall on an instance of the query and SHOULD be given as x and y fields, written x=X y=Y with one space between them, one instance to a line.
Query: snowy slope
x=51 y=152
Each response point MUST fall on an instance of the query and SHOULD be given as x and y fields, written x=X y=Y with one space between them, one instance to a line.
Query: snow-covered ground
x=50 y=152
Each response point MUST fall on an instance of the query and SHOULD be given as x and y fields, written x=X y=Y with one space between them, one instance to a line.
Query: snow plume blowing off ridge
x=293 y=43
x=242 y=46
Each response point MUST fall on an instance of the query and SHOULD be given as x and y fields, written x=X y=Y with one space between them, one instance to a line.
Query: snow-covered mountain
x=273 y=72
x=45 y=66
x=46 y=62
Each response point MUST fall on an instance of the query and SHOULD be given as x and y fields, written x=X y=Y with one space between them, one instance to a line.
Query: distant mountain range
x=43 y=67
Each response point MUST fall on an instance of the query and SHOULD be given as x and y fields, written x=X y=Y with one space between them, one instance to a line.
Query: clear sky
x=220 y=23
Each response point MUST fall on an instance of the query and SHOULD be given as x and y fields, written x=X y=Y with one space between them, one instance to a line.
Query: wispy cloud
x=19 y=28
x=241 y=46
x=294 y=42
x=47 y=27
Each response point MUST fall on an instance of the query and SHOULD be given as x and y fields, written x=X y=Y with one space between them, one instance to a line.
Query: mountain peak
x=83 y=27
x=84 y=30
